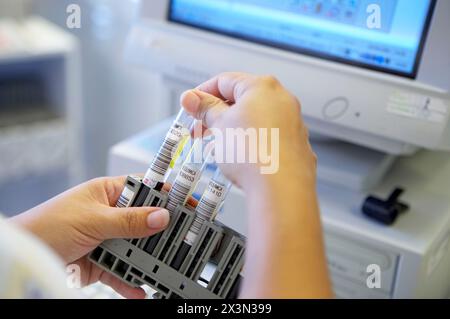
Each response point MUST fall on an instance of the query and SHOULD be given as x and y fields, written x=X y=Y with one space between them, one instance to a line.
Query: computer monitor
x=375 y=73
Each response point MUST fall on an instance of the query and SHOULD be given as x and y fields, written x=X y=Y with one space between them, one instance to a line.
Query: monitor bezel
x=326 y=57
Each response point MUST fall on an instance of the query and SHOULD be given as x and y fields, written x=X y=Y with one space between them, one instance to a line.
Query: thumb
x=203 y=106
x=134 y=222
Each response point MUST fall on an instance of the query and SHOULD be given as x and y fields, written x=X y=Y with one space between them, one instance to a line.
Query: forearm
x=285 y=253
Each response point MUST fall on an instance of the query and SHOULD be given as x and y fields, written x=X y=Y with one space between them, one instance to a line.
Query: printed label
x=161 y=163
x=418 y=107
x=125 y=198
x=187 y=175
x=179 y=150
x=152 y=178
x=206 y=207
x=190 y=237
x=181 y=187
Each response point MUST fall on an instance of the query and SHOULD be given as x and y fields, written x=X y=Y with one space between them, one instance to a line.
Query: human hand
x=284 y=255
x=77 y=221
x=239 y=100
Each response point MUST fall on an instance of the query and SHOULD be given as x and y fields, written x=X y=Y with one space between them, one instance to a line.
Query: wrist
x=294 y=175
x=283 y=200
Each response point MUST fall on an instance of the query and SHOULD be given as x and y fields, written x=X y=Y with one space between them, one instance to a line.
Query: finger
x=227 y=86
x=113 y=187
x=133 y=222
x=203 y=106
x=199 y=130
x=122 y=288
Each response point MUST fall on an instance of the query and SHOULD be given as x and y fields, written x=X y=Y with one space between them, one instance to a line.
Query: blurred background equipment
x=112 y=89
x=40 y=112
x=74 y=90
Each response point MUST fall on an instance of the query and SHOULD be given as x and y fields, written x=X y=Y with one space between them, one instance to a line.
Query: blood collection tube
x=156 y=173
x=206 y=210
x=185 y=181
x=188 y=175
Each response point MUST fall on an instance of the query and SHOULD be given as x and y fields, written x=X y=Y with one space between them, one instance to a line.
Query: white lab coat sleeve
x=29 y=269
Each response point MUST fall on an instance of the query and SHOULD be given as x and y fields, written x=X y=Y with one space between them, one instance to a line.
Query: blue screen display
x=386 y=35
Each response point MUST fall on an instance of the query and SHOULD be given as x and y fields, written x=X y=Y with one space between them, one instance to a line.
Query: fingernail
x=190 y=100
x=158 y=219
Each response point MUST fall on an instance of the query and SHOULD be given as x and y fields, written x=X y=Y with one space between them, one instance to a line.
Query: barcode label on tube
x=161 y=163
x=206 y=206
x=181 y=187
x=177 y=195
x=125 y=198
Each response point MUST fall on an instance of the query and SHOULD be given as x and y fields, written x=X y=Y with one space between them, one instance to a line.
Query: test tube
x=188 y=175
x=156 y=173
x=185 y=182
x=206 y=210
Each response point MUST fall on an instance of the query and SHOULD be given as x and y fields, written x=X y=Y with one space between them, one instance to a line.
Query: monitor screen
x=383 y=35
